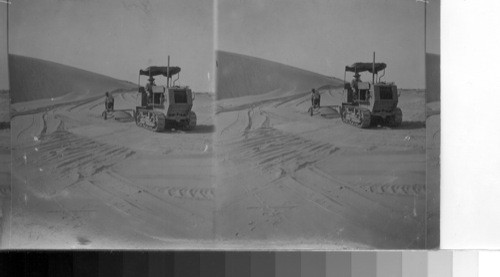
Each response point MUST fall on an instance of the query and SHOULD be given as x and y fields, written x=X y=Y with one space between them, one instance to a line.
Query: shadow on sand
x=410 y=125
x=405 y=125
x=199 y=129
x=203 y=129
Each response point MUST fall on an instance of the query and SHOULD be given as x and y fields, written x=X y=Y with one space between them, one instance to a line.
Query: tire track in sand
x=68 y=158
x=272 y=149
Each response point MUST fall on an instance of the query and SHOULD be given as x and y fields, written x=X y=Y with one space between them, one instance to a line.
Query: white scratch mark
x=414 y=206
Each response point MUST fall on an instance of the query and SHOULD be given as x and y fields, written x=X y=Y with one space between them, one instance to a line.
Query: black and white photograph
x=111 y=124
x=224 y=124
x=321 y=124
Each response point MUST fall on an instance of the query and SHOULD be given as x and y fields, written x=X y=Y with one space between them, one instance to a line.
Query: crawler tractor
x=164 y=106
x=367 y=102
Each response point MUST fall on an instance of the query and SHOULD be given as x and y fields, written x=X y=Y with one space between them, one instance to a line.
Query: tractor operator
x=109 y=102
x=354 y=84
x=149 y=89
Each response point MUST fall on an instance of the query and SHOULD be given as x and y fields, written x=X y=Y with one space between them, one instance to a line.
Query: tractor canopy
x=362 y=67
x=160 y=70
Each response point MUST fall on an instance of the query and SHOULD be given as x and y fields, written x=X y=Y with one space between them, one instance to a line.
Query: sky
x=117 y=38
x=434 y=27
x=4 y=73
x=325 y=35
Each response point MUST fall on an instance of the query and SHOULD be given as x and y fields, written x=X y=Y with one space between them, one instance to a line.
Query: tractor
x=164 y=106
x=367 y=103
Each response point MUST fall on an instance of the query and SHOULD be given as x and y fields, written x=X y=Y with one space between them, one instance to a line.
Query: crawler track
x=355 y=116
x=150 y=120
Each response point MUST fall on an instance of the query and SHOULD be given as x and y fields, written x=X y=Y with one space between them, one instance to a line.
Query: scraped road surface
x=79 y=181
x=288 y=179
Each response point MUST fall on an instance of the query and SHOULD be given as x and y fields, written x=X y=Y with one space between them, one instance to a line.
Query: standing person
x=109 y=102
x=315 y=98
x=313 y=91
x=318 y=98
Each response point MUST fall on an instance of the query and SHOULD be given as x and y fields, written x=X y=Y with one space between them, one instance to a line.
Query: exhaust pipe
x=373 y=69
x=168 y=71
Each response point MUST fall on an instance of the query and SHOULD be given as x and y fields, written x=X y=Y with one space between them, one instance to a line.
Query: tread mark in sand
x=279 y=152
x=27 y=128
x=66 y=159
x=190 y=193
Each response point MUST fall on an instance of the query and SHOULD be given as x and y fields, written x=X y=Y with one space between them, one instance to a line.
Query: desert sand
x=258 y=172
x=79 y=181
x=4 y=156
x=290 y=180
x=433 y=150
x=4 y=153
x=433 y=126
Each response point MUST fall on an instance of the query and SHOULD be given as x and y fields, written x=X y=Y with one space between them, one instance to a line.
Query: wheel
x=343 y=114
x=137 y=118
x=155 y=126
x=398 y=117
x=365 y=119
x=191 y=121
x=390 y=121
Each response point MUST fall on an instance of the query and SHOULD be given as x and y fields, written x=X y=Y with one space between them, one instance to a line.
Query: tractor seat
x=157 y=89
x=364 y=85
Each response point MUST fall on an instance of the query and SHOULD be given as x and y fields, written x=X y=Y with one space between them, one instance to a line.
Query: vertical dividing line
x=426 y=88
x=215 y=38
x=425 y=26
x=213 y=87
x=8 y=87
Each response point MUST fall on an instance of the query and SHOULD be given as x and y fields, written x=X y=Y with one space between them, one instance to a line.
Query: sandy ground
x=258 y=172
x=79 y=181
x=290 y=180
x=4 y=177
x=433 y=126
x=4 y=156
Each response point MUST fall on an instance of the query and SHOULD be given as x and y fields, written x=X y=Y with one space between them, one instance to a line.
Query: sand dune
x=288 y=179
x=268 y=176
x=76 y=176
x=240 y=75
x=34 y=79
